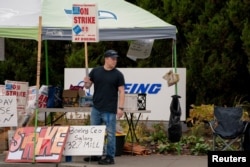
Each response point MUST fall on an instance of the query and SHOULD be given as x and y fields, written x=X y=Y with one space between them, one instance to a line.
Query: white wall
x=151 y=82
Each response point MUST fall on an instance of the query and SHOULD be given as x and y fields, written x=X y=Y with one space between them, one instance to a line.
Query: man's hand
x=87 y=82
x=119 y=113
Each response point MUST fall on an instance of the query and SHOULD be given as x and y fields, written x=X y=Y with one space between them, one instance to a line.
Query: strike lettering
x=15 y=93
x=84 y=11
x=84 y=20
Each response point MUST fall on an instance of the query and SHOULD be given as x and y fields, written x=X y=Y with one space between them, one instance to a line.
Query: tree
x=212 y=44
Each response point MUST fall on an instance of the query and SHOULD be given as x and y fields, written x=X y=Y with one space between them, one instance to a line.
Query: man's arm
x=87 y=82
x=121 y=100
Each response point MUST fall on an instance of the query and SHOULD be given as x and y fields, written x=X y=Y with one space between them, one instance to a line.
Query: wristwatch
x=121 y=108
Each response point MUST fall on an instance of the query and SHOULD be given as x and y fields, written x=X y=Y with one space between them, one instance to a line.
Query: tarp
x=19 y=19
x=118 y=20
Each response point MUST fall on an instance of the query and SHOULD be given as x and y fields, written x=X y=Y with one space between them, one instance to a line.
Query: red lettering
x=84 y=20
x=17 y=87
x=45 y=147
x=28 y=151
x=84 y=11
x=15 y=93
x=48 y=141
x=16 y=140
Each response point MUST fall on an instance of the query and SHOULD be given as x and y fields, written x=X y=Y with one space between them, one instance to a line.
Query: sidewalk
x=123 y=161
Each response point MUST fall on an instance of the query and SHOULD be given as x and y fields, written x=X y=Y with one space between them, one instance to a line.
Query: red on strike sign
x=85 y=23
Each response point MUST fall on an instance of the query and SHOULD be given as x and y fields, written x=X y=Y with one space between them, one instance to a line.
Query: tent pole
x=37 y=79
x=86 y=58
x=175 y=64
x=46 y=62
x=46 y=71
x=176 y=88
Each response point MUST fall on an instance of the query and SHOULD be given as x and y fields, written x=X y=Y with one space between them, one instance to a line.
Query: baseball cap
x=111 y=53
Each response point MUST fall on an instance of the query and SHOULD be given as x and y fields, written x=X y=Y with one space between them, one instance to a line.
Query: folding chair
x=227 y=127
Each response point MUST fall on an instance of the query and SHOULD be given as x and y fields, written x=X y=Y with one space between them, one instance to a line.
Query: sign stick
x=38 y=76
x=86 y=58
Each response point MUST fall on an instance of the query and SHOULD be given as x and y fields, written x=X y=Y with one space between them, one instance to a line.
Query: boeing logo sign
x=134 y=88
x=102 y=14
x=158 y=93
x=148 y=88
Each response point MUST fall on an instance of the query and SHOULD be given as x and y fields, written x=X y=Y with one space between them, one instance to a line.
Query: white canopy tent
x=118 y=20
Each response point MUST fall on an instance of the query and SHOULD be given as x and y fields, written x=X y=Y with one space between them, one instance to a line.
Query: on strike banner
x=20 y=90
x=85 y=23
x=49 y=145
x=2 y=90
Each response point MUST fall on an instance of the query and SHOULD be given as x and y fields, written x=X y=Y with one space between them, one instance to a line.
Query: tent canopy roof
x=118 y=20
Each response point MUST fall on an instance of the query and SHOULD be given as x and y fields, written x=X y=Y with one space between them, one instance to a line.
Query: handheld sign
x=20 y=90
x=85 y=23
x=8 y=111
x=85 y=140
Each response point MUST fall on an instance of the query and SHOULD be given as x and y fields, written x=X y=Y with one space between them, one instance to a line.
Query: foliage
x=200 y=148
x=157 y=141
x=199 y=114
x=167 y=147
x=189 y=145
x=240 y=102
x=197 y=145
x=158 y=132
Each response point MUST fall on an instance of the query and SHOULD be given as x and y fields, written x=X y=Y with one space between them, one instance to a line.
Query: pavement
x=156 y=160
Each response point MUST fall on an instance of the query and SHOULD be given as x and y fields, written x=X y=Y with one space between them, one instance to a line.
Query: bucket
x=120 y=140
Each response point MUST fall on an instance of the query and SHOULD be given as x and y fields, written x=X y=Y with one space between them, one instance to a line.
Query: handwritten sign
x=8 y=111
x=20 y=90
x=85 y=23
x=85 y=140
x=31 y=100
x=50 y=142
x=140 y=49
x=42 y=101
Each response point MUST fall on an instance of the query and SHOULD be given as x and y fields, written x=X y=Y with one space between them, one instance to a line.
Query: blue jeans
x=109 y=119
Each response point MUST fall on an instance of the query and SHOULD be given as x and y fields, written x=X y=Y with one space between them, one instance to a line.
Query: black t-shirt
x=106 y=85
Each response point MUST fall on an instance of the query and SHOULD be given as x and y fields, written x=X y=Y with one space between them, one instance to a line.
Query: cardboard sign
x=85 y=23
x=2 y=90
x=85 y=140
x=20 y=90
x=8 y=111
x=50 y=142
x=140 y=49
